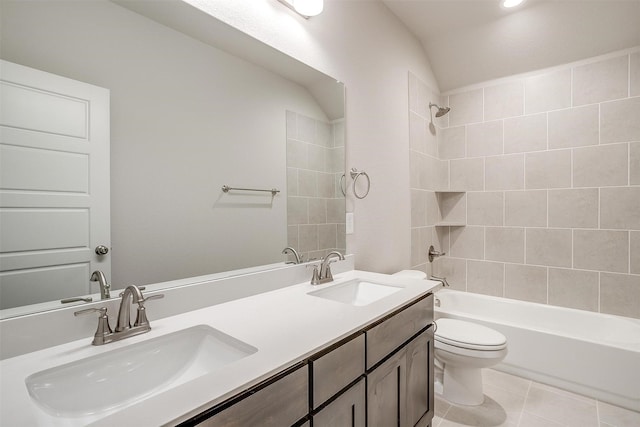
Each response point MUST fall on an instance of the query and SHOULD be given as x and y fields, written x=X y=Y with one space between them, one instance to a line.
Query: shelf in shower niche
x=452 y=208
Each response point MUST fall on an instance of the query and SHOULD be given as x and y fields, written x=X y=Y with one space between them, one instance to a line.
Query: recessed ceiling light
x=508 y=4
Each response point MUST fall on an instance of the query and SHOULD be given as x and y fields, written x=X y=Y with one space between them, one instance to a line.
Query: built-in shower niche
x=452 y=208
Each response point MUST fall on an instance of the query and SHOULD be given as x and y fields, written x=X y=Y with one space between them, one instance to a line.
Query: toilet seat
x=467 y=335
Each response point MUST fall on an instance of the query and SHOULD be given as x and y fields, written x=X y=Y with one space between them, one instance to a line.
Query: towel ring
x=343 y=185
x=355 y=174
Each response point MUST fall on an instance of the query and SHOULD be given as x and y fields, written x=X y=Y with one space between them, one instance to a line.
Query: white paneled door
x=54 y=185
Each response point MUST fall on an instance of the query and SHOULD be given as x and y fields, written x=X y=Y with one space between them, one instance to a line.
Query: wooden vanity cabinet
x=335 y=368
x=386 y=392
x=338 y=395
x=420 y=378
x=283 y=401
x=348 y=410
x=381 y=376
x=400 y=383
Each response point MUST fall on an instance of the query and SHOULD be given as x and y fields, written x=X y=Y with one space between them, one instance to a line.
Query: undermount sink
x=356 y=292
x=118 y=378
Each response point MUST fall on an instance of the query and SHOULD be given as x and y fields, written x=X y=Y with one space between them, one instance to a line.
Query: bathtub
x=593 y=354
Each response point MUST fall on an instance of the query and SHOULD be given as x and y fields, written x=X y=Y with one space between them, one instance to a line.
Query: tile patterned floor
x=512 y=401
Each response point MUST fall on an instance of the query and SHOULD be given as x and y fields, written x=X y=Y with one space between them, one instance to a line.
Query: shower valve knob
x=434 y=254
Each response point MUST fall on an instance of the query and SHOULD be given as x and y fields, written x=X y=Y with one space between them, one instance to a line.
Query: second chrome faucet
x=131 y=295
x=322 y=274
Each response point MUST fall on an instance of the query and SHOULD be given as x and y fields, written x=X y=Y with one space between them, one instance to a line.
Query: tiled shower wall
x=548 y=169
x=315 y=204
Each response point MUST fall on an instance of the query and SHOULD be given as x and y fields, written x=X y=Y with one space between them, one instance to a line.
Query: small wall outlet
x=349 y=223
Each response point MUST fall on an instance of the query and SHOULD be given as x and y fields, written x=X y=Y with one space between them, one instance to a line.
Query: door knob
x=102 y=250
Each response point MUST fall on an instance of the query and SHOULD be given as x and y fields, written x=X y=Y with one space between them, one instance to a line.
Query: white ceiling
x=471 y=41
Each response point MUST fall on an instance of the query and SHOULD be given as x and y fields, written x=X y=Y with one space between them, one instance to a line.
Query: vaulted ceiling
x=470 y=41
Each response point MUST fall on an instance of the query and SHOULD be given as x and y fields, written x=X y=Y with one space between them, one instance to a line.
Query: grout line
x=526 y=397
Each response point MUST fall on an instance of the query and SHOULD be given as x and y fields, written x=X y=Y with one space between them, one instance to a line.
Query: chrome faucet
x=323 y=274
x=131 y=295
x=131 y=292
x=289 y=249
x=442 y=280
x=105 y=288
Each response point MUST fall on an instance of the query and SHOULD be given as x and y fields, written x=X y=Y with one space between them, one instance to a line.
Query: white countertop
x=285 y=325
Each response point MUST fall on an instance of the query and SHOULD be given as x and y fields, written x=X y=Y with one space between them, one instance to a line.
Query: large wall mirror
x=194 y=105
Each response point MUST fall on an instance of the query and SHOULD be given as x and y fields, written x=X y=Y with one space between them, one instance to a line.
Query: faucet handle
x=101 y=310
x=141 y=316
x=104 y=329
x=315 y=276
x=145 y=299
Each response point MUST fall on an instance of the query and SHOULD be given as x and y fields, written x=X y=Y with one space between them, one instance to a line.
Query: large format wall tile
x=574 y=288
x=573 y=208
x=551 y=170
x=574 y=127
x=526 y=133
x=601 y=250
x=550 y=247
x=620 y=208
x=546 y=92
x=485 y=208
x=451 y=144
x=525 y=282
x=484 y=139
x=467 y=242
x=454 y=269
x=485 y=277
x=548 y=169
x=620 y=121
x=602 y=166
x=504 y=172
x=634 y=80
x=634 y=163
x=525 y=208
x=619 y=294
x=466 y=107
x=504 y=244
x=467 y=174
x=634 y=247
x=601 y=81
x=504 y=100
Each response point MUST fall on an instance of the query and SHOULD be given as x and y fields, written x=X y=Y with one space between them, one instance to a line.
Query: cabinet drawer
x=335 y=370
x=385 y=337
x=281 y=403
x=348 y=410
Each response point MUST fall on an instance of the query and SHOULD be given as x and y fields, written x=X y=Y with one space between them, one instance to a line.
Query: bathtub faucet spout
x=442 y=280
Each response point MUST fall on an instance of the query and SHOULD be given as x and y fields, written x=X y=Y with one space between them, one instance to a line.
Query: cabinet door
x=348 y=410
x=386 y=388
x=420 y=379
x=281 y=403
x=337 y=369
x=386 y=336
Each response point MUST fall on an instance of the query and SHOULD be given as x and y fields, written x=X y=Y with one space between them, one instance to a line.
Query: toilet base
x=463 y=386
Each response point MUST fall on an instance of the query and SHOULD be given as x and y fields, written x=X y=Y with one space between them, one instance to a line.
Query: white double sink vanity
x=356 y=351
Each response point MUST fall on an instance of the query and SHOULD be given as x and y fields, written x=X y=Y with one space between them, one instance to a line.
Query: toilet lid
x=464 y=334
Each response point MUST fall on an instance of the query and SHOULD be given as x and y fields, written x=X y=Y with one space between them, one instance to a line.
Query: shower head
x=441 y=110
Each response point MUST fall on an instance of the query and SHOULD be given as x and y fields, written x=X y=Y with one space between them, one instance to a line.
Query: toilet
x=462 y=349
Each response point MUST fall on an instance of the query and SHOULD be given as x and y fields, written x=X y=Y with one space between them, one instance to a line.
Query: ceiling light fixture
x=508 y=4
x=305 y=8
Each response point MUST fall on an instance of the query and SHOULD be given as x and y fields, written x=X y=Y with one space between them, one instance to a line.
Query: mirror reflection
x=183 y=118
